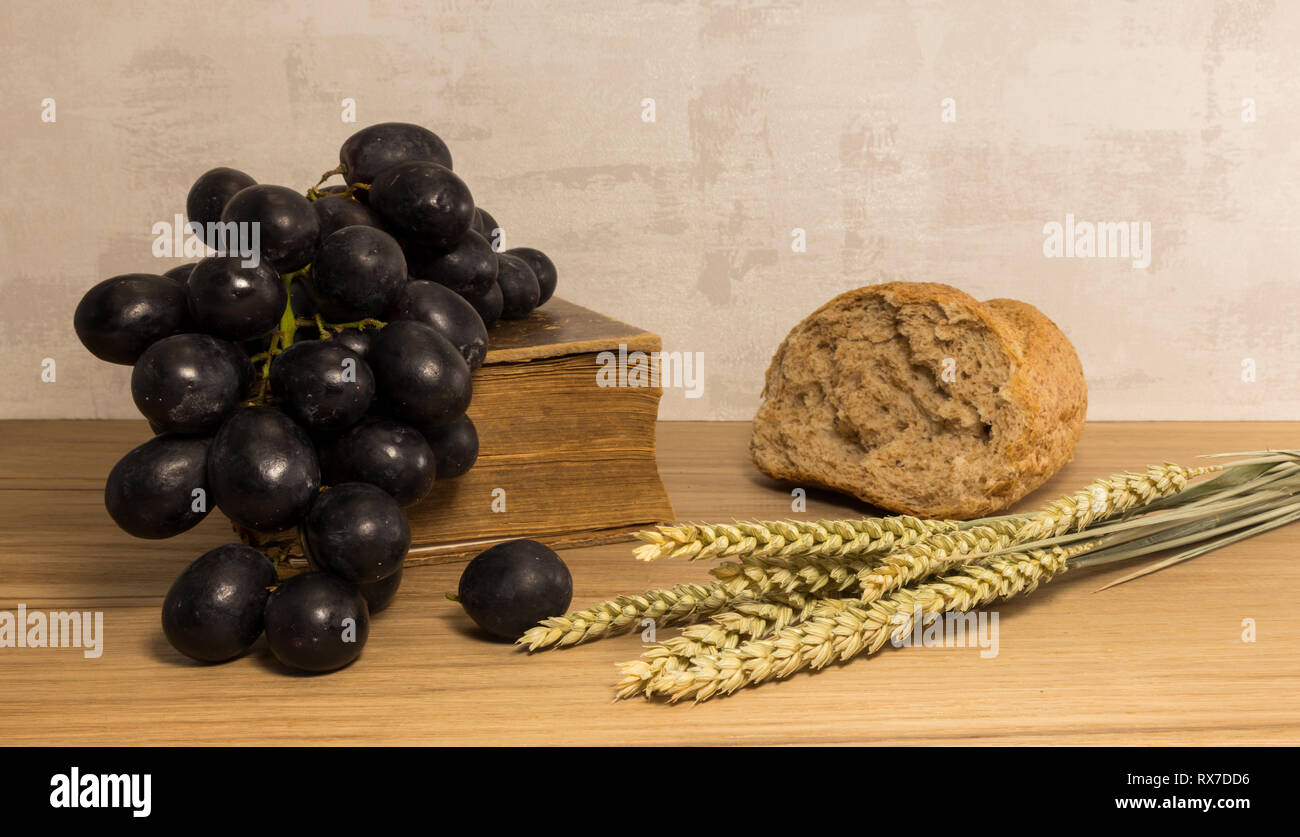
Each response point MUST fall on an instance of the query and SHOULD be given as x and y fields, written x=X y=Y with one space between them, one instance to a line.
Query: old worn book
x=566 y=443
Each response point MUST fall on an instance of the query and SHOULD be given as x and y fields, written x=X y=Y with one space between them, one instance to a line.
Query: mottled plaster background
x=824 y=116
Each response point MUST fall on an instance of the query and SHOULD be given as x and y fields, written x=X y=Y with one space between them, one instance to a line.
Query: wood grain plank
x=1158 y=661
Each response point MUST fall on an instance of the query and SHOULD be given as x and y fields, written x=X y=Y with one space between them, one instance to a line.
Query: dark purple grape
x=317 y=622
x=287 y=225
x=486 y=226
x=216 y=608
x=322 y=384
x=424 y=203
x=336 y=212
x=380 y=594
x=121 y=317
x=449 y=313
x=262 y=469
x=300 y=299
x=356 y=531
x=519 y=288
x=469 y=269
x=243 y=365
x=420 y=378
x=356 y=339
x=543 y=269
x=488 y=305
x=513 y=586
x=188 y=383
x=454 y=446
x=181 y=272
x=234 y=302
x=357 y=273
x=151 y=492
x=384 y=453
x=209 y=196
x=378 y=147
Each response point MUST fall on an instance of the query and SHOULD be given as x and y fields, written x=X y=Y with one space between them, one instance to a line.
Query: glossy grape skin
x=188 y=383
x=424 y=203
x=357 y=273
x=486 y=226
x=356 y=531
x=514 y=585
x=384 y=453
x=181 y=272
x=356 y=339
x=488 y=305
x=335 y=213
x=300 y=299
x=454 y=446
x=420 y=378
x=377 y=147
x=380 y=594
x=209 y=196
x=216 y=608
x=311 y=380
x=121 y=317
x=289 y=229
x=234 y=302
x=243 y=365
x=469 y=268
x=543 y=269
x=449 y=313
x=308 y=618
x=150 y=491
x=519 y=288
x=262 y=470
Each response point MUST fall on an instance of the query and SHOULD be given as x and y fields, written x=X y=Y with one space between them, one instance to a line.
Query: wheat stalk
x=1110 y=496
x=808 y=575
x=858 y=538
x=874 y=580
x=707 y=661
x=842 y=630
x=784 y=538
x=783 y=564
x=749 y=620
x=625 y=613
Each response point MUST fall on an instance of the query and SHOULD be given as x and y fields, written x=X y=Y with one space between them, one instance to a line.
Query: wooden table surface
x=1157 y=661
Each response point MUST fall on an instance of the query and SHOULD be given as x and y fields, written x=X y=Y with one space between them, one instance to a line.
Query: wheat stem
x=842 y=630
x=785 y=538
x=626 y=613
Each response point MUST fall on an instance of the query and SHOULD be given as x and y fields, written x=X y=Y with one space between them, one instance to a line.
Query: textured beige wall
x=769 y=116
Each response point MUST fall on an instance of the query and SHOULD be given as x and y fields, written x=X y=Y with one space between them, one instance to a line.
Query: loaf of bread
x=917 y=398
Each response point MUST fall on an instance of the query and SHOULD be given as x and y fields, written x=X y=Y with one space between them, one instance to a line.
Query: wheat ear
x=1108 y=497
x=625 y=613
x=874 y=580
x=841 y=631
x=785 y=538
x=748 y=620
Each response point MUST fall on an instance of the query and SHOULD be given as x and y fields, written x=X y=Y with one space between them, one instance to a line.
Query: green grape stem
x=313 y=194
x=288 y=322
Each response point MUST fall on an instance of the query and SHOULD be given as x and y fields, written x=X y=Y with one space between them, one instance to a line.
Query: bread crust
x=1046 y=384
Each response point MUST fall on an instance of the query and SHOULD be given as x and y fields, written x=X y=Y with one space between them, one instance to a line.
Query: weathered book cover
x=564 y=457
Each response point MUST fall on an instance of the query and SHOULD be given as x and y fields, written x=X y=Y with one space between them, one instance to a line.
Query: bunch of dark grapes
x=322 y=386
